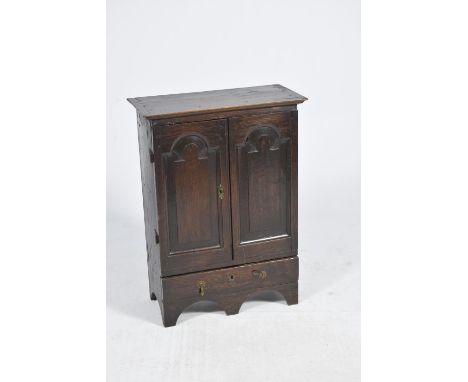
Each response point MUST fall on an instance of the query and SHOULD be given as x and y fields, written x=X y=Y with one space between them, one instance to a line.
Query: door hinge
x=151 y=155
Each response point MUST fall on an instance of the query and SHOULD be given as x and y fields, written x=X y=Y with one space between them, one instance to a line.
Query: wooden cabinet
x=219 y=176
x=191 y=162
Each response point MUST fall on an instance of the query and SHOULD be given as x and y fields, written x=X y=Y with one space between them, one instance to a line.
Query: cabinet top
x=174 y=105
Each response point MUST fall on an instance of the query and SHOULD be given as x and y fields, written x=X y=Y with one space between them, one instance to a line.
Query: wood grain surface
x=219 y=180
x=172 y=105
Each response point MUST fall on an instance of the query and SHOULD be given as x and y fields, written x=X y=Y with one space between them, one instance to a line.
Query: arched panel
x=189 y=145
x=194 y=164
x=262 y=138
x=263 y=161
x=261 y=186
x=191 y=191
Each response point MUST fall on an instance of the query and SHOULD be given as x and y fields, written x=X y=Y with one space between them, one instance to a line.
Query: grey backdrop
x=311 y=47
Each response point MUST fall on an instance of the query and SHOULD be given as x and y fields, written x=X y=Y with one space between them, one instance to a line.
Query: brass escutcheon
x=262 y=275
x=201 y=287
x=220 y=190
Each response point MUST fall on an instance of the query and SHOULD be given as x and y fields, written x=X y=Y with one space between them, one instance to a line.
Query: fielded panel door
x=193 y=197
x=263 y=162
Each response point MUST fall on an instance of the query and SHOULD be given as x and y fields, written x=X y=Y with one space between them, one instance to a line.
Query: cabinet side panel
x=294 y=181
x=150 y=209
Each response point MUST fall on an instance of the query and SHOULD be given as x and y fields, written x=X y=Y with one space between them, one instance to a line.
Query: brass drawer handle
x=262 y=275
x=220 y=190
x=201 y=288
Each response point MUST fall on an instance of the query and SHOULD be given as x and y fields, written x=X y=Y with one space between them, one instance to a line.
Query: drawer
x=240 y=280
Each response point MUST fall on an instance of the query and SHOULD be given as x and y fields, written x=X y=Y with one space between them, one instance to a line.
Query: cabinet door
x=264 y=185
x=194 y=210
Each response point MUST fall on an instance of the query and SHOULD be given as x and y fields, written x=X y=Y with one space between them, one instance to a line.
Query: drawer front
x=235 y=280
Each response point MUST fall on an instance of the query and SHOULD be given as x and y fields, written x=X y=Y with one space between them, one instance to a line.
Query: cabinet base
x=229 y=287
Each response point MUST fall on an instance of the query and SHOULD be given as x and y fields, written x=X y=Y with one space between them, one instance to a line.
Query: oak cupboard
x=219 y=179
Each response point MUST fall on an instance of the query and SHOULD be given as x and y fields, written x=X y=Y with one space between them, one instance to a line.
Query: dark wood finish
x=230 y=287
x=261 y=186
x=159 y=123
x=191 y=162
x=150 y=208
x=171 y=105
x=207 y=158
